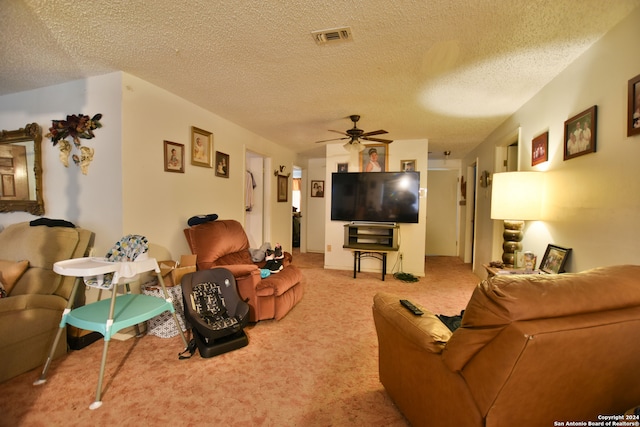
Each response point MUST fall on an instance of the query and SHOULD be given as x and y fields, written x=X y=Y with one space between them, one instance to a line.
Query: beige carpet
x=315 y=367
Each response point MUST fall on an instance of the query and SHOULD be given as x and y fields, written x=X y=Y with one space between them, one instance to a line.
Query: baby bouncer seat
x=215 y=311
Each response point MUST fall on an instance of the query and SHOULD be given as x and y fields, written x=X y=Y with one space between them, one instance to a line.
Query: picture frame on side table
x=374 y=158
x=633 y=115
x=555 y=257
x=201 y=147
x=540 y=149
x=173 y=157
x=222 y=164
x=580 y=133
x=518 y=259
x=283 y=188
x=343 y=167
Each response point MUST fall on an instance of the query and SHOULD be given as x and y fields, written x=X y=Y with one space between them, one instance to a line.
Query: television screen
x=375 y=196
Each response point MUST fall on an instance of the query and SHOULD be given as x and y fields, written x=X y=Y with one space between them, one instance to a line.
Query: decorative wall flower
x=77 y=127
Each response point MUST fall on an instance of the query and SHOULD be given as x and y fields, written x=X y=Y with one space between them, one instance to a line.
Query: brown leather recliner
x=531 y=350
x=224 y=243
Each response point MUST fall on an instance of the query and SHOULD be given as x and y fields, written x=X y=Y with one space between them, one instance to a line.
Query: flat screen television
x=375 y=196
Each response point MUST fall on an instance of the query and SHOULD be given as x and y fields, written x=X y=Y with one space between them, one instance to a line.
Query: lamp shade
x=517 y=195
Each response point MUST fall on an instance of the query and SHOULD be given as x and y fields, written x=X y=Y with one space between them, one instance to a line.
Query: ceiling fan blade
x=340 y=132
x=386 y=141
x=332 y=139
x=375 y=132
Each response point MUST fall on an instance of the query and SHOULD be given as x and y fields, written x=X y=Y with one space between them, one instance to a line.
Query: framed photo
x=222 y=164
x=201 y=146
x=317 y=188
x=518 y=259
x=580 y=134
x=408 y=165
x=283 y=188
x=540 y=149
x=374 y=158
x=173 y=157
x=555 y=257
x=633 y=119
x=343 y=167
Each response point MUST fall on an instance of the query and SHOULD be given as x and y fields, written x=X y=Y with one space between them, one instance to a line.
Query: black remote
x=412 y=308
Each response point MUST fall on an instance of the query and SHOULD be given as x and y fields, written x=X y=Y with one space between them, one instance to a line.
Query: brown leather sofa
x=532 y=350
x=30 y=315
x=224 y=243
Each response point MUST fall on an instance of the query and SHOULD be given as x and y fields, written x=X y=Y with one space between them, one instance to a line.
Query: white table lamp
x=515 y=197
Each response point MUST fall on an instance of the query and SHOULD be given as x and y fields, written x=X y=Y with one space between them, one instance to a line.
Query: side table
x=377 y=254
x=110 y=315
x=496 y=271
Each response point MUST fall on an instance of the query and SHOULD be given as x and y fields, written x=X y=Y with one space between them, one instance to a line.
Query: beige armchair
x=30 y=315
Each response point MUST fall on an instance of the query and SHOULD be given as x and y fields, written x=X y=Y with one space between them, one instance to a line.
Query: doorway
x=442 y=212
x=255 y=196
x=296 y=203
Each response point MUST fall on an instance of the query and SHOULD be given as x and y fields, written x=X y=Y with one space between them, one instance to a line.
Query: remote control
x=412 y=308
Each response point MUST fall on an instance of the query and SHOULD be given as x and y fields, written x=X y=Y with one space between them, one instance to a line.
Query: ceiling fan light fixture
x=354 y=147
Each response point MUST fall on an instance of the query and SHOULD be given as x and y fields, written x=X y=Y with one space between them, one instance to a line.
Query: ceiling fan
x=354 y=135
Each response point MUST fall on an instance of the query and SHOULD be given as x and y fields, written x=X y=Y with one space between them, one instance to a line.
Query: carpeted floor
x=315 y=367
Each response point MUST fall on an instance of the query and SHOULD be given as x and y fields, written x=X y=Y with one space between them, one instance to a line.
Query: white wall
x=126 y=189
x=412 y=236
x=593 y=201
x=160 y=203
x=92 y=201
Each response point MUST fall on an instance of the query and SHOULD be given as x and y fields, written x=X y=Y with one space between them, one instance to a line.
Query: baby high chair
x=121 y=266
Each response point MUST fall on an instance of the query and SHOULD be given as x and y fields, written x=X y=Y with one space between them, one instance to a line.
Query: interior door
x=442 y=213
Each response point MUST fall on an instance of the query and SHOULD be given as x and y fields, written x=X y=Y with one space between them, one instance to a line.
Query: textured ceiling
x=450 y=71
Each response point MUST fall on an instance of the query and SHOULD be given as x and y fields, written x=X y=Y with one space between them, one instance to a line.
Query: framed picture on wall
x=222 y=164
x=539 y=149
x=317 y=188
x=201 y=146
x=283 y=188
x=407 y=165
x=374 y=158
x=580 y=134
x=633 y=119
x=173 y=157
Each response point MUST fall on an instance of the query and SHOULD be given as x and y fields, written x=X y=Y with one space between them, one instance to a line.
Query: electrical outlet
x=328 y=248
x=400 y=255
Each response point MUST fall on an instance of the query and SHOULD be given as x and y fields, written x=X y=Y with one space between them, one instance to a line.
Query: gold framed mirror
x=21 y=170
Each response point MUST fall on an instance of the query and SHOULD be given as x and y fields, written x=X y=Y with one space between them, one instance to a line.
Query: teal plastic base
x=130 y=309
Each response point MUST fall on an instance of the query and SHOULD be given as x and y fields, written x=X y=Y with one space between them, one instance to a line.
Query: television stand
x=370 y=240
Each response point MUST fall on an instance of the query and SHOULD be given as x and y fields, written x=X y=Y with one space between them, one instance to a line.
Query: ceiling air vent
x=332 y=35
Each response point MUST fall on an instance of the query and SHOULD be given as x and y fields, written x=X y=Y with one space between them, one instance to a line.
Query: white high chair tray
x=93 y=266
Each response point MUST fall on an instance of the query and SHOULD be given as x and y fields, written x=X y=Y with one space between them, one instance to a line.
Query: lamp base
x=512 y=236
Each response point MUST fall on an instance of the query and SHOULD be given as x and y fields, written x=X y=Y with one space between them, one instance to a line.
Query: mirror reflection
x=21 y=170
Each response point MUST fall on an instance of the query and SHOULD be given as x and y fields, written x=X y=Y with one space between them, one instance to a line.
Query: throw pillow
x=10 y=272
x=3 y=293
